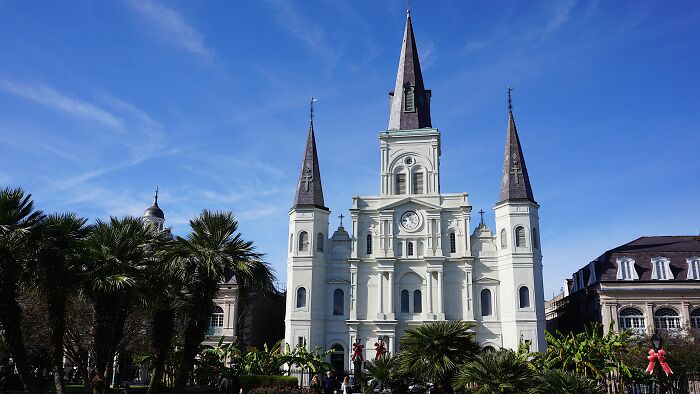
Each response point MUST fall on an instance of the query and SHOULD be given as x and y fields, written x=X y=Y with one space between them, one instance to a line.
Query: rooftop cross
x=341 y=219
x=510 y=99
x=482 y=216
x=311 y=107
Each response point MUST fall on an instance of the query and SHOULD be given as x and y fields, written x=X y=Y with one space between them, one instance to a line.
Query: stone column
x=430 y=292
x=440 y=306
x=380 y=309
x=392 y=344
x=392 y=309
x=353 y=294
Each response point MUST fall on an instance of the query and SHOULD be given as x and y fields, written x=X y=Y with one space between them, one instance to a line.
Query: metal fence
x=674 y=384
x=304 y=376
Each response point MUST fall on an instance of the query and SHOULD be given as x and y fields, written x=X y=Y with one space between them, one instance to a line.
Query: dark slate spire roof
x=515 y=184
x=409 y=76
x=154 y=210
x=309 y=190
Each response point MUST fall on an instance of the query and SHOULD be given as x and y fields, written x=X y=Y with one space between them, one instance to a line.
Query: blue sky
x=101 y=101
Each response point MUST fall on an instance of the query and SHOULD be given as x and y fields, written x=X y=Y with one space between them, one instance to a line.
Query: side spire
x=515 y=184
x=410 y=101
x=309 y=189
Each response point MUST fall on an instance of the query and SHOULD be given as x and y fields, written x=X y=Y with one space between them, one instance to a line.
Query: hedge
x=249 y=382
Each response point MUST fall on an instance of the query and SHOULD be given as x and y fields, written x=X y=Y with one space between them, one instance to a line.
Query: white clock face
x=410 y=220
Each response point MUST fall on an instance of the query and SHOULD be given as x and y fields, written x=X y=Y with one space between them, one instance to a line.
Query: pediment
x=487 y=281
x=407 y=200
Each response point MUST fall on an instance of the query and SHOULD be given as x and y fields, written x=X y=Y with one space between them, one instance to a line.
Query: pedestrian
x=316 y=385
x=229 y=385
x=330 y=384
x=345 y=388
x=98 y=383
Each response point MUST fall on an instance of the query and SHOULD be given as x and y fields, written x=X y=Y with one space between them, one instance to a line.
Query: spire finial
x=311 y=107
x=155 y=198
x=408 y=8
x=510 y=99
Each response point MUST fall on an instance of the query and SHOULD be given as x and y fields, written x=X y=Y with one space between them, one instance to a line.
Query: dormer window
x=626 y=270
x=661 y=269
x=693 y=268
x=409 y=99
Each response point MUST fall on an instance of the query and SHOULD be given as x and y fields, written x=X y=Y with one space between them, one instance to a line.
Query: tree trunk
x=110 y=317
x=162 y=338
x=194 y=335
x=11 y=321
x=56 y=315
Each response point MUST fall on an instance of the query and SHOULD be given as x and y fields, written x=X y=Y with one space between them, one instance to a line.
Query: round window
x=408 y=160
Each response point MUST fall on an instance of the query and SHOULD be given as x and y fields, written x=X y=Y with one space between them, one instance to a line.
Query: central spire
x=410 y=101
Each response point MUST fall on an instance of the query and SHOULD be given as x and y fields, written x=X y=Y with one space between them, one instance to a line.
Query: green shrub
x=249 y=382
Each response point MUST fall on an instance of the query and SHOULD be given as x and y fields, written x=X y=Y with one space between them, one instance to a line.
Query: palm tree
x=385 y=371
x=562 y=382
x=56 y=275
x=501 y=372
x=120 y=251
x=434 y=351
x=18 y=223
x=212 y=252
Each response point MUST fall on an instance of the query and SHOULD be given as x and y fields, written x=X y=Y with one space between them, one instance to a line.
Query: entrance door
x=338 y=360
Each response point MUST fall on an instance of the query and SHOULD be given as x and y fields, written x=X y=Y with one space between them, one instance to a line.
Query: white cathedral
x=410 y=258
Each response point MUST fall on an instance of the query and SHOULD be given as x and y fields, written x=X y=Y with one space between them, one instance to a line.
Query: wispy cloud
x=171 y=27
x=51 y=98
x=560 y=12
x=312 y=34
x=4 y=179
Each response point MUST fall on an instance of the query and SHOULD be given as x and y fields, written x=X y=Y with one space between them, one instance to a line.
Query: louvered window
x=400 y=183
x=520 y=237
x=418 y=183
x=409 y=99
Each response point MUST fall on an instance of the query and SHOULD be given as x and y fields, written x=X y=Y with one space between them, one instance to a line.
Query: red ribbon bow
x=660 y=355
x=357 y=352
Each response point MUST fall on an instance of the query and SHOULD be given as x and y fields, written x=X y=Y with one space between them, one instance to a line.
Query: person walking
x=330 y=384
x=345 y=388
x=316 y=385
x=99 y=383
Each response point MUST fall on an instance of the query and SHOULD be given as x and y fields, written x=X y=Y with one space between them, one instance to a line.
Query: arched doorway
x=338 y=359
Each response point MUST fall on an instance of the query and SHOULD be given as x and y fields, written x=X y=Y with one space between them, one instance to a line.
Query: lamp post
x=357 y=364
x=656 y=343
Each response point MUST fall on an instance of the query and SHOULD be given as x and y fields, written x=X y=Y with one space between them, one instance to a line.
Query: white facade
x=411 y=256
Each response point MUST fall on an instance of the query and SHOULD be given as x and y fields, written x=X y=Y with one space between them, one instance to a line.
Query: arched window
x=632 y=319
x=216 y=320
x=524 y=294
x=303 y=241
x=504 y=239
x=486 y=309
x=409 y=248
x=400 y=183
x=301 y=297
x=338 y=359
x=338 y=302
x=695 y=318
x=369 y=244
x=404 y=301
x=319 y=242
x=453 y=243
x=667 y=319
x=520 y=237
x=417 y=182
x=417 y=302
x=291 y=242
x=535 y=239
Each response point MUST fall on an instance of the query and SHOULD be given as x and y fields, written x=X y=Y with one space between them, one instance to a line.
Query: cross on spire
x=510 y=99
x=481 y=212
x=311 y=107
x=307 y=178
x=341 y=216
